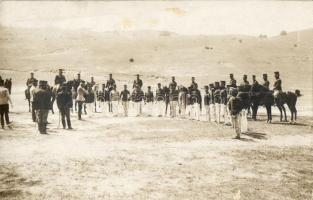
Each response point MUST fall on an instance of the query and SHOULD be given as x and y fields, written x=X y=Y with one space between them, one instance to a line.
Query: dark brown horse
x=289 y=98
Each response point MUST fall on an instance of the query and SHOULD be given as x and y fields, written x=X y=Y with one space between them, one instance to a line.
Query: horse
x=261 y=96
x=289 y=98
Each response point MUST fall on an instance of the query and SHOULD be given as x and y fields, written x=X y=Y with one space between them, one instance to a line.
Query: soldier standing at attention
x=137 y=82
x=65 y=103
x=125 y=96
x=277 y=84
x=59 y=79
x=149 y=98
x=217 y=102
x=173 y=101
x=266 y=83
x=137 y=97
x=114 y=99
x=233 y=82
x=80 y=99
x=196 y=102
x=5 y=99
x=159 y=97
x=42 y=105
x=173 y=84
x=207 y=102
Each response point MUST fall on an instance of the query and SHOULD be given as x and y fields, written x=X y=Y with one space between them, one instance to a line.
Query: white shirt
x=4 y=96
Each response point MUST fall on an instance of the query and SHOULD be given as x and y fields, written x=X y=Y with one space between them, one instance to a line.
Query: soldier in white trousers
x=159 y=101
x=207 y=103
x=217 y=102
x=149 y=98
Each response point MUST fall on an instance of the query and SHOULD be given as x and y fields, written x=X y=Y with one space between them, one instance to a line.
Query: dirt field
x=155 y=158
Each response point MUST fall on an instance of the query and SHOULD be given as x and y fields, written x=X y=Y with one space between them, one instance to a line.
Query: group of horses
x=251 y=97
x=256 y=95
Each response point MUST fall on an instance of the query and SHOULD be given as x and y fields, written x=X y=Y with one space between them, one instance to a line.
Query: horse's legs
x=29 y=105
x=284 y=110
x=295 y=112
x=85 y=109
x=254 y=111
x=281 y=113
x=269 y=113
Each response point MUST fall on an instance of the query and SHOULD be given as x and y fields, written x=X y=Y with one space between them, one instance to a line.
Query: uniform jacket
x=233 y=83
x=174 y=95
x=277 y=85
x=266 y=84
x=125 y=94
x=110 y=84
x=30 y=81
x=42 y=100
x=195 y=97
x=64 y=100
x=137 y=82
x=234 y=105
x=207 y=98
x=137 y=96
x=159 y=95
x=173 y=85
x=114 y=95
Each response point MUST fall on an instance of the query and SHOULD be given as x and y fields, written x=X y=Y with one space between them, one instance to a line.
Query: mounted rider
x=31 y=80
x=60 y=78
x=277 y=84
x=265 y=83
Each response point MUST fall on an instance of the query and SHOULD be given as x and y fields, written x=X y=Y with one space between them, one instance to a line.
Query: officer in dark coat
x=266 y=83
x=232 y=82
x=173 y=83
x=60 y=78
x=31 y=80
x=137 y=82
x=42 y=105
x=65 y=103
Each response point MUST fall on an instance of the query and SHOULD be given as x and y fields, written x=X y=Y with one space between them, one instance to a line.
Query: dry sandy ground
x=155 y=158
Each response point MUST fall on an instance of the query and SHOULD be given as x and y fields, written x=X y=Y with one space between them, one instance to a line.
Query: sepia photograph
x=123 y=100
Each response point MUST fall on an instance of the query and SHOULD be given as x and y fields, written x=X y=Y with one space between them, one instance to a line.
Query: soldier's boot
x=63 y=123
x=44 y=128
x=69 y=125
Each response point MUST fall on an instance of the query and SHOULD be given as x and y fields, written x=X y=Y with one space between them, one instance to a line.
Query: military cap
x=264 y=74
x=60 y=69
x=159 y=83
x=211 y=85
x=253 y=76
x=276 y=73
x=149 y=86
x=206 y=86
x=216 y=82
x=31 y=72
x=231 y=74
x=78 y=73
x=137 y=74
x=245 y=75
x=223 y=82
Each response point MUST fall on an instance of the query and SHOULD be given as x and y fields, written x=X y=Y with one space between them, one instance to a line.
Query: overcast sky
x=206 y=18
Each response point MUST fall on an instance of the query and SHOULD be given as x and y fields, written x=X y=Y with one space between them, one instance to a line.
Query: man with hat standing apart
x=277 y=84
x=232 y=82
x=60 y=78
x=137 y=82
x=4 y=104
x=42 y=105
x=65 y=103
x=266 y=83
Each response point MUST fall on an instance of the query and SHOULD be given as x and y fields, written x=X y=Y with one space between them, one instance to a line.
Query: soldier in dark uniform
x=42 y=105
x=30 y=80
x=266 y=83
x=196 y=102
x=159 y=97
x=277 y=84
x=137 y=82
x=149 y=99
x=65 y=103
x=207 y=102
x=60 y=78
x=233 y=82
x=173 y=84
x=193 y=83
x=173 y=101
